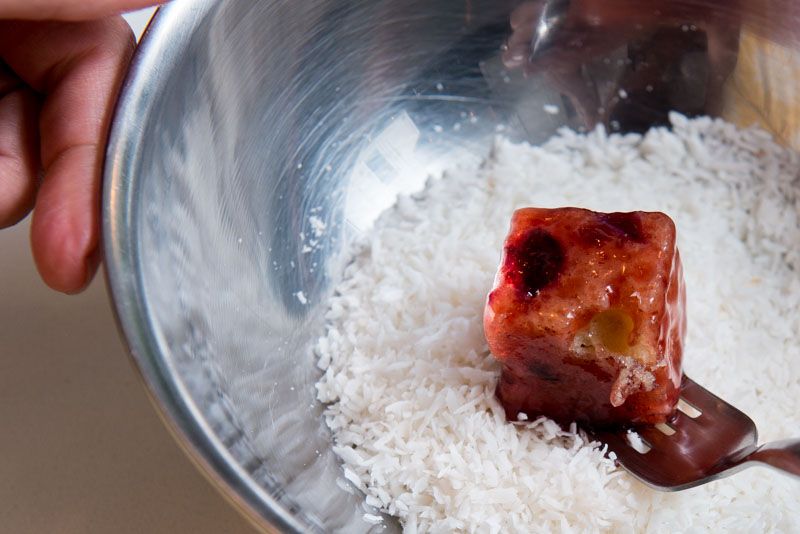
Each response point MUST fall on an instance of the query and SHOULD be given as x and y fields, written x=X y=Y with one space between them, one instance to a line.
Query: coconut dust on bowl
x=410 y=383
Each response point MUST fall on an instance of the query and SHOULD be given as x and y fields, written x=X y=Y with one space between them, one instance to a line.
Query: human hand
x=61 y=64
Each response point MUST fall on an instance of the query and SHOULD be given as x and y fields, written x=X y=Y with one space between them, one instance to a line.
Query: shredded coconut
x=410 y=382
x=317 y=225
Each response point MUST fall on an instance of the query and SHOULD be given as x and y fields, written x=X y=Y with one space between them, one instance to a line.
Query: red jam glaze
x=560 y=269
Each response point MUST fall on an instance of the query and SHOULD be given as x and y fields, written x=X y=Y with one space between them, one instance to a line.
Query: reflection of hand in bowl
x=676 y=57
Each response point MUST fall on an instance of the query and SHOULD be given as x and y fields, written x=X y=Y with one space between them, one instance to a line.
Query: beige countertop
x=82 y=449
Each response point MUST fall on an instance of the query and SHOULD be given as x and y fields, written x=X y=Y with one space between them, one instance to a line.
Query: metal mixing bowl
x=242 y=121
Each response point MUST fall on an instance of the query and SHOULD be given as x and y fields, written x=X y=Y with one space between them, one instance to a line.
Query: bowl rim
x=161 y=46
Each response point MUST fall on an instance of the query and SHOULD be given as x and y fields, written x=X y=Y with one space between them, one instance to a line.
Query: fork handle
x=783 y=455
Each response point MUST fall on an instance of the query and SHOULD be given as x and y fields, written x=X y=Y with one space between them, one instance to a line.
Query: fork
x=706 y=440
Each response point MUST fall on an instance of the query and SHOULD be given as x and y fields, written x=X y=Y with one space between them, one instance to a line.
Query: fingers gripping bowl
x=255 y=140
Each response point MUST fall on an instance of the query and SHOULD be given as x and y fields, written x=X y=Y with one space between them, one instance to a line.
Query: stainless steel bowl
x=240 y=121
